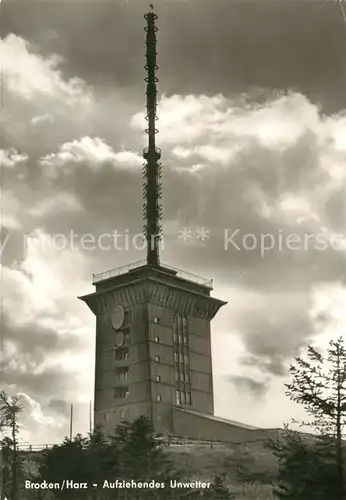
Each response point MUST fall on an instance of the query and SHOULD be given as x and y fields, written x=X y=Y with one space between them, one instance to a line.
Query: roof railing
x=118 y=271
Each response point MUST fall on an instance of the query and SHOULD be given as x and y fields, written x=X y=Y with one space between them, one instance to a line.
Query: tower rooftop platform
x=142 y=265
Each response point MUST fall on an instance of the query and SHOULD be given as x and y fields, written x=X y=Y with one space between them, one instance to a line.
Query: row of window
x=123 y=393
x=183 y=398
x=179 y=339
x=181 y=376
x=122 y=414
x=181 y=358
x=180 y=319
x=123 y=354
x=177 y=318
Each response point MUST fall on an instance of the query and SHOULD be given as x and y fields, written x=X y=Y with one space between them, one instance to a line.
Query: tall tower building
x=153 y=348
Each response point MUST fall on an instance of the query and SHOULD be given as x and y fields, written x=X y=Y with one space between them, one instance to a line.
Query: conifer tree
x=219 y=491
x=142 y=456
x=316 y=470
x=306 y=469
x=10 y=409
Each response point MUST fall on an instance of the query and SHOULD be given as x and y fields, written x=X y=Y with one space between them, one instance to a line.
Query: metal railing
x=35 y=447
x=194 y=278
x=171 y=442
x=189 y=443
x=118 y=271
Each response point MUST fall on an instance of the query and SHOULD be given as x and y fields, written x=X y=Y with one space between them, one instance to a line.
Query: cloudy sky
x=253 y=132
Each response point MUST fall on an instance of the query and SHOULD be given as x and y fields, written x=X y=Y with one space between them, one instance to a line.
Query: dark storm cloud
x=34 y=345
x=249 y=385
x=210 y=48
x=38 y=340
x=59 y=406
x=38 y=385
x=205 y=47
x=275 y=365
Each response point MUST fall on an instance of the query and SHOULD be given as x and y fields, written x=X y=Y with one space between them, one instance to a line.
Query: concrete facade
x=165 y=360
x=202 y=427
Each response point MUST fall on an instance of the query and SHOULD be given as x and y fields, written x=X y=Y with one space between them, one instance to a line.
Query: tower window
x=121 y=373
x=121 y=354
x=157 y=339
x=126 y=333
x=177 y=397
x=156 y=320
x=157 y=359
x=158 y=378
x=127 y=317
x=159 y=397
x=121 y=392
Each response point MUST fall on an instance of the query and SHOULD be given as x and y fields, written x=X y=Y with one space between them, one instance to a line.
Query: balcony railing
x=111 y=273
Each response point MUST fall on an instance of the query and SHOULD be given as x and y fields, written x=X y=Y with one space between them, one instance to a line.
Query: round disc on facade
x=117 y=317
x=119 y=339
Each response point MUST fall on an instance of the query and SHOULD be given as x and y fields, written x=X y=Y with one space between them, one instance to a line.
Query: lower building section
x=204 y=427
x=183 y=423
x=109 y=418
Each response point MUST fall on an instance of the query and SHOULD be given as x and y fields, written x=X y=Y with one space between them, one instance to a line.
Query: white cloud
x=91 y=150
x=329 y=304
x=37 y=287
x=184 y=118
x=62 y=202
x=336 y=128
x=275 y=124
x=29 y=74
x=129 y=159
x=42 y=291
x=10 y=158
x=209 y=140
x=36 y=412
x=213 y=154
x=42 y=119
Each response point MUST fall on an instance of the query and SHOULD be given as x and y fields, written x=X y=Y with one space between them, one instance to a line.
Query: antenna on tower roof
x=152 y=170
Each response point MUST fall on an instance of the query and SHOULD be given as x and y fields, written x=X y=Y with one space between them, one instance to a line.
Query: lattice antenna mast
x=152 y=170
